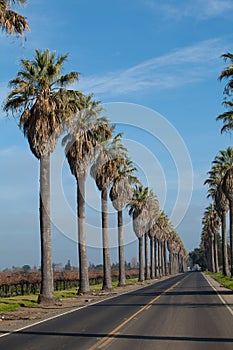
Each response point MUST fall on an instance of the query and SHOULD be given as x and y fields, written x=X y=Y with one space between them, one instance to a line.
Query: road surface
x=180 y=313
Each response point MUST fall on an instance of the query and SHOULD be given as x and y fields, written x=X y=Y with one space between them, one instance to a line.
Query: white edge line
x=74 y=310
x=220 y=297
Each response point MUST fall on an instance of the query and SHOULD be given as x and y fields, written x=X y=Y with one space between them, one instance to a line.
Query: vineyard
x=26 y=283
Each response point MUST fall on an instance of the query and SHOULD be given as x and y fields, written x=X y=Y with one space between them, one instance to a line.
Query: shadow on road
x=124 y=336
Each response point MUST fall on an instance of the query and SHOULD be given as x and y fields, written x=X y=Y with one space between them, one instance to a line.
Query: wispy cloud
x=178 y=68
x=199 y=9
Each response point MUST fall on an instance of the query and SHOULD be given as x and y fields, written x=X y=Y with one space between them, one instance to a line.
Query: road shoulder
x=225 y=294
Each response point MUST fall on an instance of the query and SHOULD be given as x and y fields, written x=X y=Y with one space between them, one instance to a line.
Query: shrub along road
x=182 y=312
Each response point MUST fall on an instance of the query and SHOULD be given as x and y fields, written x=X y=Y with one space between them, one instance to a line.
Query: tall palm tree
x=10 y=21
x=152 y=207
x=222 y=207
x=222 y=162
x=168 y=234
x=205 y=245
x=154 y=213
x=211 y=224
x=120 y=195
x=80 y=146
x=139 y=213
x=158 y=237
x=228 y=190
x=162 y=223
x=152 y=236
x=111 y=155
x=41 y=100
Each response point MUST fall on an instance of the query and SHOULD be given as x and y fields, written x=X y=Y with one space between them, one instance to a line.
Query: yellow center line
x=113 y=334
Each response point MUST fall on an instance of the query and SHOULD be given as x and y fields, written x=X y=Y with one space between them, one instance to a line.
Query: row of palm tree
x=46 y=109
x=220 y=182
x=41 y=98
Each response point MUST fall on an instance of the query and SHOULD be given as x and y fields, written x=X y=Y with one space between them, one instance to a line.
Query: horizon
x=158 y=82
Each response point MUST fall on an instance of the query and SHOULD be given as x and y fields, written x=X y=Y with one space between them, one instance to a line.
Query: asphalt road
x=179 y=313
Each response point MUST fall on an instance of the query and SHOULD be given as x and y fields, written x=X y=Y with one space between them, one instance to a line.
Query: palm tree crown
x=121 y=191
x=227 y=74
x=138 y=210
x=10 y=21
x=85 y=127
x=39 y=94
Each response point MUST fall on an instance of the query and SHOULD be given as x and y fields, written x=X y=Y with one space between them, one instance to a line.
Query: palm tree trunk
x=159 y=258
x=141 y=264
x=216 y=252
x=212 y=254
x=231 y=236
x=152 y=256
x=122 y=281
x=170 y=257
x=165 y=257
x=46 y=295
x=208 y=257
x=156 y=259
x=83 y=264
x=176 y=263
x=147 y=267
x=225 y=264
x=107 y=278
x=162 y=257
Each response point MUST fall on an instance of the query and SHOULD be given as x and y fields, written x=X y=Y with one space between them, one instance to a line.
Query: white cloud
x=177 y=68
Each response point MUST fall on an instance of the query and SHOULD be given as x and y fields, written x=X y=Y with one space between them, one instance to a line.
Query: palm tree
x=227 y=74
x=152 y=236
x=80 y=146
x=211 y=224
x=152 y=207
x=205 y=245
x=154 y=213
x=111 y=155
x=40 y=98
x=168 y=234
x=157 y=243
x=222 y=207
x=139 y=213
x=10 y=21
x=155 y=237
x=120 y=195
x=222 y=162
x=162 y=223
x=228 y=190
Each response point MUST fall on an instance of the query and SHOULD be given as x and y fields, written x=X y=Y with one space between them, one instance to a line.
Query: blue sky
x=155 y=66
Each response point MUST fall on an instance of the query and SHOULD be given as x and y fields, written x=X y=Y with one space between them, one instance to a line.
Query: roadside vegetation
x=225 y=281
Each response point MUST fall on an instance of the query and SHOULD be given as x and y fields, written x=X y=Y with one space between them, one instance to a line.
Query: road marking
x=115 y=332
x=220 y=297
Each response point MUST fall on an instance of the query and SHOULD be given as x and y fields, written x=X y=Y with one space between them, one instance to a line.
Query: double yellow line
x=114 y=333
